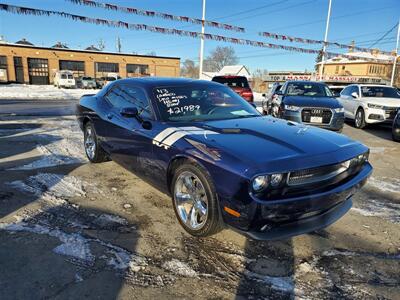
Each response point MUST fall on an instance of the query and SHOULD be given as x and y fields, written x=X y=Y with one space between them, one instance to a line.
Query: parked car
x=368 y=104
x=221 y=161
x=396 y=127
x=64 y=79
x=336 y=90
x=239 y=84
x=86 y=82
x=310 y=103
x=269 y=100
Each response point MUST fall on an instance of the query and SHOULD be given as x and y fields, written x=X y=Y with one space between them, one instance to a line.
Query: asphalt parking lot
x=71 y=229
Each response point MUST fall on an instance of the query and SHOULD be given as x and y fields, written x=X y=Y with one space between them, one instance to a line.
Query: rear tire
x=359 y=120
x=93 y=150
x=195 y=200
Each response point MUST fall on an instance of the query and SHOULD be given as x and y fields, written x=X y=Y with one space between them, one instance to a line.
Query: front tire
x=195 y=200
x=359 y=120
x=93 y=150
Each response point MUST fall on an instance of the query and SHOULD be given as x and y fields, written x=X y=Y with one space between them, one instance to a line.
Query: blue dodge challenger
x=222 y=162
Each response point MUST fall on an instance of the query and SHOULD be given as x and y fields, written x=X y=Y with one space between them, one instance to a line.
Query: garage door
x=38 y=69
x=165 y=71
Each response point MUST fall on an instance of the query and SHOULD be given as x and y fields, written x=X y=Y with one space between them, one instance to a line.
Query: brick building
x=26 y=63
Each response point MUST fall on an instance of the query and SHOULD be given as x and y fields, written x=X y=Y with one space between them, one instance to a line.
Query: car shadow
x=383 y=131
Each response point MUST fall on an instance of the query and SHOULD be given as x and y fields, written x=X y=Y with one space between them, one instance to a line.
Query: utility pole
x=321 y=68
x=202 y=39
x=119 y=46
x=396 y=54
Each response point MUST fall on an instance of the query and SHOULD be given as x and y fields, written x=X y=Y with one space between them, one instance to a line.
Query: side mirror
x=354 y=95
x=130 y=112
x=264 y=95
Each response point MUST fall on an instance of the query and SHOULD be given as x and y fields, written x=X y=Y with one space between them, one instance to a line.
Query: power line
x=378 y=40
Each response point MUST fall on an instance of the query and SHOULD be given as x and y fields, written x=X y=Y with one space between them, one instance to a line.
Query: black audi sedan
x=310 y=103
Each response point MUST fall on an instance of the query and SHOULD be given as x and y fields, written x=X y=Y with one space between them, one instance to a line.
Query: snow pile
x=73 y=244
x=55 y=185
x=379 y=208
x=179 y=268
x=45 y=92
x=385 y=185
x=60 y=144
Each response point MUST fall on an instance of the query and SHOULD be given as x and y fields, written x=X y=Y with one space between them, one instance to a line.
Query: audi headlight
x=370 y=105
x=292 y=108
x=339 y=109
x=260 y=182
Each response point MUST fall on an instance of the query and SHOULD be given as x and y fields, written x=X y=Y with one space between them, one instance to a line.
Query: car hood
x=391 y=102
x=304 y=101
x=270 y=144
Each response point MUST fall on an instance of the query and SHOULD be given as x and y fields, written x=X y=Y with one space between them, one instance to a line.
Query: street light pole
x=396 y=54
x=202 y=39
x=321 y=69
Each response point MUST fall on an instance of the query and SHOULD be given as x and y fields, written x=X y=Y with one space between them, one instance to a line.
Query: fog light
x=276 y=179
x=260 y=183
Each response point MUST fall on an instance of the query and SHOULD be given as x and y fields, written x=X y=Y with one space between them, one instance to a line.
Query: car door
x=130 y=143
x=344 y=100
x=353 y=102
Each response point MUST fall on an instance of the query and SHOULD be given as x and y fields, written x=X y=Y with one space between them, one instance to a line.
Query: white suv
x=367 y=104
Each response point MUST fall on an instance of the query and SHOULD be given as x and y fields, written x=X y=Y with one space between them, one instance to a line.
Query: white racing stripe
x=169 y=136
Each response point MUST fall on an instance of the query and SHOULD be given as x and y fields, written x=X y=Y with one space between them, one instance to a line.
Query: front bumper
x=299 y=215
x=335 y=124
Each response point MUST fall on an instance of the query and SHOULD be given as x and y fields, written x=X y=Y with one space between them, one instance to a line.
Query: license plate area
x=315 y=119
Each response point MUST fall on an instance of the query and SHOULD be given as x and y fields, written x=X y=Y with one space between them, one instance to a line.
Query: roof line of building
x=85 y=51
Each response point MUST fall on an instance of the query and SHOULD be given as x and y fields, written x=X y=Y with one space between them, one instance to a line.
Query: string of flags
x=149 y=13
x=171 y=31
x=310 y=41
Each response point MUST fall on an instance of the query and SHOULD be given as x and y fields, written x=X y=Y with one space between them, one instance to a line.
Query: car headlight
x=260 y=182
x=359 y=159
x=292 y=108
x=370 y=105
x=339 y=109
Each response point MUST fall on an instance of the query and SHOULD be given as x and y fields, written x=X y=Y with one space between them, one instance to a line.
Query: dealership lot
x=73 y=229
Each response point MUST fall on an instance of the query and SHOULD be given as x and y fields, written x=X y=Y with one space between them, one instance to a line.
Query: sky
x=364 y=21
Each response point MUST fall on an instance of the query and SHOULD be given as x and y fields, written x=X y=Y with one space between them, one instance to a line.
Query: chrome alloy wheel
x=90 y=144
x=191 y=200
x=359 y=118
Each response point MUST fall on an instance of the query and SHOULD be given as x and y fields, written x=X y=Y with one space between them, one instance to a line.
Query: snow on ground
x=41 y=92
x=60 y=142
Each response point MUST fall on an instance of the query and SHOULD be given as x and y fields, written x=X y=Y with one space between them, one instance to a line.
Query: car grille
x=390 y=112
x=318 y=174
x=324 y=113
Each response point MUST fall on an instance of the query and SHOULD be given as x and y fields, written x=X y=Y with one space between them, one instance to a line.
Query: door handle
x=109 y=116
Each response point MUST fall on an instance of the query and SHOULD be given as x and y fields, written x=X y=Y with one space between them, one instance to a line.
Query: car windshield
x=87 y=78
x=201 y=102
x=232 y=81
x=380 y=91
x=308 y=90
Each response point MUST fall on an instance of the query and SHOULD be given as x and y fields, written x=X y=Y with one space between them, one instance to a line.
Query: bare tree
x=189 y=69
x=258 y=76
x=101 y=44
x=220 y=57
x=151 y=53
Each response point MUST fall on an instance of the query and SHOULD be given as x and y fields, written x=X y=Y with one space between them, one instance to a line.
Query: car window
x=201 y=102
x=308 y=89
x=346 y=91
x=63 y=76
x=354 y=89
x=70 y=77
x=380 y=91
x=125 y=95
x=232 y=81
